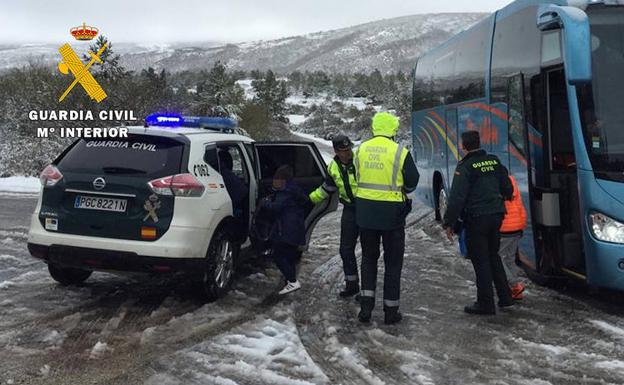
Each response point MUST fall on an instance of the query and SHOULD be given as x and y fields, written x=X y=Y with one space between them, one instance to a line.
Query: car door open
x=309 y=168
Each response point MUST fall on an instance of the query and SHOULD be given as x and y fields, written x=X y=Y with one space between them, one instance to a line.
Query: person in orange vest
x=511 y=231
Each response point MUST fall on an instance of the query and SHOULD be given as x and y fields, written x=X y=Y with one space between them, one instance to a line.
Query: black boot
x=351 y=288
x=392 y=315
x=506 y=303
x=366 y=309
x=477 y=308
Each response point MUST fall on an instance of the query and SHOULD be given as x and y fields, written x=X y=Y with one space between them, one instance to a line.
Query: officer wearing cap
x=341 y=179
x=480 y=186
x=385 y=172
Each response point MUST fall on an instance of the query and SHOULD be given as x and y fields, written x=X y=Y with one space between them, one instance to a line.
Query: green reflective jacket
x=340 y=178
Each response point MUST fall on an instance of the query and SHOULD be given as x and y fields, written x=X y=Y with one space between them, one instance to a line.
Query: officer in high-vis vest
x=341 y=179
x=385 y=172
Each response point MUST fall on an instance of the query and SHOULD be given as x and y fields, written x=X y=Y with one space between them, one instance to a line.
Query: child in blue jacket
x=287 y=209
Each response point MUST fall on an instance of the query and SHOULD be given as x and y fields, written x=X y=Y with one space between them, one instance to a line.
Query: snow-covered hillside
x=389 y=45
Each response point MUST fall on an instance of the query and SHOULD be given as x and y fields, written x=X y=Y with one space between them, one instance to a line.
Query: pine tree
x=218 y=94
x=271 y=93
x=110 y=69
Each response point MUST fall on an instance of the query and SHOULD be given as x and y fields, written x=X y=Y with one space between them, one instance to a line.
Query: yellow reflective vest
x=378 y=165
x=337 y=183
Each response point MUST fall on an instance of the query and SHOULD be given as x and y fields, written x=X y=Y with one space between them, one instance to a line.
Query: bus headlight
x=605 y=228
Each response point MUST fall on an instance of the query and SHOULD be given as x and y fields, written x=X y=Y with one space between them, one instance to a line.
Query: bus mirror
x=574 y=27
x=548 y=20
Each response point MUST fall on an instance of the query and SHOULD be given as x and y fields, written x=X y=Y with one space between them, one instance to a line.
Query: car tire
x=219 y=265
x=68 y=275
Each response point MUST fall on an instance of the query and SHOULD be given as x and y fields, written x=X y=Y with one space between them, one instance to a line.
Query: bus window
x=516 y=49
x=560 y=133
x=515 y=113
x=470 y=65
x=551 y=47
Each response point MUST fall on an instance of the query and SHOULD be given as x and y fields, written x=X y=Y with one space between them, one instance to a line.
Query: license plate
x=99 y=203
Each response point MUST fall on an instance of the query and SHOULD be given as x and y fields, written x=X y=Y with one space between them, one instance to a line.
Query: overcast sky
x=168 y=21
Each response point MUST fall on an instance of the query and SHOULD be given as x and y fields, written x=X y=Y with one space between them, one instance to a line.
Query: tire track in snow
x=346 y=362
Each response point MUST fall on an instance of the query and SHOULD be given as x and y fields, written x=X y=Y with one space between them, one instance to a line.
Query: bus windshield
x=602 y=102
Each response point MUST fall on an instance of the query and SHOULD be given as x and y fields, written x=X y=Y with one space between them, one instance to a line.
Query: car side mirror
x=574 y=26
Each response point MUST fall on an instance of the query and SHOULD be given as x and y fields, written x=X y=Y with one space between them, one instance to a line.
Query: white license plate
x=99 y=203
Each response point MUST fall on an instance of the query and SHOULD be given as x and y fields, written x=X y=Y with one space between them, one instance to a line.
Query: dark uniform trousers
x=394 y=247
x=483 y=241
x=349 y=233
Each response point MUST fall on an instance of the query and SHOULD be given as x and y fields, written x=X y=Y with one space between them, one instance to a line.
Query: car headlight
x=605 y=228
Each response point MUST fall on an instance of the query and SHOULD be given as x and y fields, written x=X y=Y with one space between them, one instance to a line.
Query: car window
x=135 y=155
x=298 y=156
x=238 y=162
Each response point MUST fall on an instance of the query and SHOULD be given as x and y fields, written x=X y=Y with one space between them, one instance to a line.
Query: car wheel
x=220 y=265
x=68 y=275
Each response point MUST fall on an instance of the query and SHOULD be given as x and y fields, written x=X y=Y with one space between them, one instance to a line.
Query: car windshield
x=601 y=103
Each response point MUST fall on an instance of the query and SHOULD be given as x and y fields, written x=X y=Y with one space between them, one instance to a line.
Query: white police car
x=156 y=201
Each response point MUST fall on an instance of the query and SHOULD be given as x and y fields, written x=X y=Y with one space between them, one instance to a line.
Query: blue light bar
x=175 y=120
x=210 y=122
x=164 y=120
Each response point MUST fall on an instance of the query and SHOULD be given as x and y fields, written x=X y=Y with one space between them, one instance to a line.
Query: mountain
x=388 y=45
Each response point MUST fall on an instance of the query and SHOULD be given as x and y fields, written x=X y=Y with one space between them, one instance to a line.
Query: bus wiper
x=122 y=170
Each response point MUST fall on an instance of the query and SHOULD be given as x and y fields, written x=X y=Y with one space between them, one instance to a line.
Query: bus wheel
x=441 y=204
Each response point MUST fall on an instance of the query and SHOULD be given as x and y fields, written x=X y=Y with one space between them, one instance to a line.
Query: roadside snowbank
x=20 y=184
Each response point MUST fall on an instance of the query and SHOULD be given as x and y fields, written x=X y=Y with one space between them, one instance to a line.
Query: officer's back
x=483 y=172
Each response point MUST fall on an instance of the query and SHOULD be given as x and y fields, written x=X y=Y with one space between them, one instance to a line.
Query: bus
x=543 y=83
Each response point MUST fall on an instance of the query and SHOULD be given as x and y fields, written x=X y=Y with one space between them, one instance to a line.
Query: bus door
x=453 y=136
x=518 y=159
x=558 y=217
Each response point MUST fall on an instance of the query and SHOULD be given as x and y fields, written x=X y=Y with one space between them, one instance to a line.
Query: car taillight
x=181 y=185
x=50 y=176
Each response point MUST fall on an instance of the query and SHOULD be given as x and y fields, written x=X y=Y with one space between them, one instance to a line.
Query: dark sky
x=168 y=21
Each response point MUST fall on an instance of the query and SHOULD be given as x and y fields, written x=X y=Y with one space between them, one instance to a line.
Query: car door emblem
x=99 y=183
x=151 y=205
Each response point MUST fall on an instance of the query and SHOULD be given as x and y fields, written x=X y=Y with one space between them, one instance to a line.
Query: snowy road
x=149 y=330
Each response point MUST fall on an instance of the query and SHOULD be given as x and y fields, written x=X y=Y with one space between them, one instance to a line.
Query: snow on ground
x=247 y=87
x=296 y=119
x=359 y=103
x=154 y=330
x=313 y=138
x=20 y=184
x=325 y=147
x=262 y=350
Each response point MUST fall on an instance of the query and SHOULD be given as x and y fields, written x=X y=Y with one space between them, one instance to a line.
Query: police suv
x=156 y=201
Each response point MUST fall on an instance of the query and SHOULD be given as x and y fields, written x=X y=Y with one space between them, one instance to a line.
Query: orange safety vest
x=515 y=219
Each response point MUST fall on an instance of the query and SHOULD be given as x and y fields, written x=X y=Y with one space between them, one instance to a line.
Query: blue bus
x=543 y=82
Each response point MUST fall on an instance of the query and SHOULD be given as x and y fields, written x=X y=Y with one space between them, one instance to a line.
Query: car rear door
x=309 y=168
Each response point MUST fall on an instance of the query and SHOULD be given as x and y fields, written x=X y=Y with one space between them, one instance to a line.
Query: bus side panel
x=421 y=153
x=430 y=151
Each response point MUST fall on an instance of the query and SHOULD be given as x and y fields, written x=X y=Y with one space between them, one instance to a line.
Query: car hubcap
x=224 y=264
